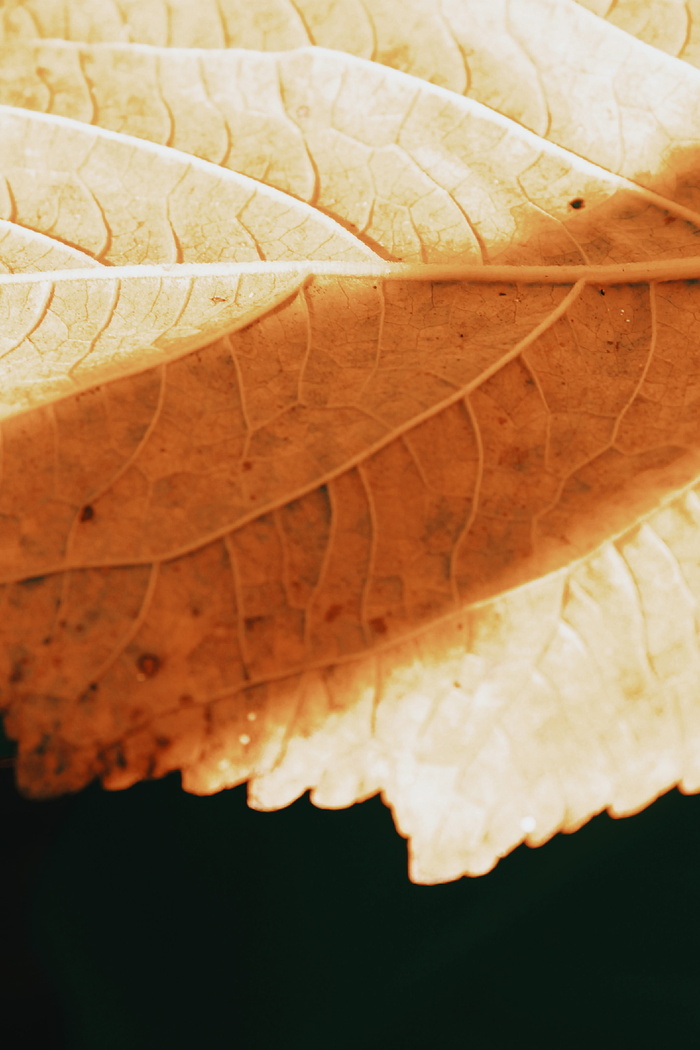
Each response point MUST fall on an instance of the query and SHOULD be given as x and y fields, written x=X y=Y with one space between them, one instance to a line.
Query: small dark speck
x=501 y=293
x=252 y=622
x=577 y=203
x=89 y=692
x=602 y=292
x=32 y=581
x=87 y=513
x=18 y=669
x=148 y=665
x=218 y=299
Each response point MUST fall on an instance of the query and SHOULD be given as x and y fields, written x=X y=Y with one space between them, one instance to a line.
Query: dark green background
x=150 y=918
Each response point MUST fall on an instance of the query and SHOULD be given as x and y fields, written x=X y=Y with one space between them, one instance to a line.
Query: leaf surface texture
x=349 y=406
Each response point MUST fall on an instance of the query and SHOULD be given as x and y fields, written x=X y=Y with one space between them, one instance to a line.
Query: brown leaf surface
x=274 y=509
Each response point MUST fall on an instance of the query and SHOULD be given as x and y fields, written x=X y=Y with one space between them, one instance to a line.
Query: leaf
x=126 y=202
x=397 y=505
x=670 y=25
x=26 y=250
x=65 y=331
x=406 y=182
x=621 y=104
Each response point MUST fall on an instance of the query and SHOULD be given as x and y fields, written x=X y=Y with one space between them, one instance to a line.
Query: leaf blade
x=433 y=612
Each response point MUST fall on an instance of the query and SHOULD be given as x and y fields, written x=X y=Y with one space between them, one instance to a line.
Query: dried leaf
x=388 y=156
x=620 y=104
x=670 y=25
x=397 y=505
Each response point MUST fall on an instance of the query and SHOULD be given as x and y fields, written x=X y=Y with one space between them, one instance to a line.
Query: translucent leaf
x=350 y=426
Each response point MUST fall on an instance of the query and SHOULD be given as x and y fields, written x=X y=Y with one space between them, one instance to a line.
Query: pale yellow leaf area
x=671 y=25
x=350 y=414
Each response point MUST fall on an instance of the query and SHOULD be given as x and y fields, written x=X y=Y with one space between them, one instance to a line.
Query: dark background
x=150 y=918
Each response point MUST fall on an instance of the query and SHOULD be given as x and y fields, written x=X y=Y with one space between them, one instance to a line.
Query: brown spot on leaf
x=332 y=613
x=87 y=513
x=577 y=203
x=513 y=457
x=378 y=625
x=18 y=669
x=148 y=665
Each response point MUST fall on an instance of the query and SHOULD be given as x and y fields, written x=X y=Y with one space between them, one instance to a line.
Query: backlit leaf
x=350 y=425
